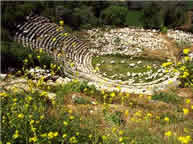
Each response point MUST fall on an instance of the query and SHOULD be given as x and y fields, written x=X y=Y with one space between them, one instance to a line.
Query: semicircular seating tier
x=38 y=32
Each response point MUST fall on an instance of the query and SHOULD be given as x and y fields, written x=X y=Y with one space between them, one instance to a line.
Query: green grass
x=123 y=68
x=170 y=97
x=183 y=44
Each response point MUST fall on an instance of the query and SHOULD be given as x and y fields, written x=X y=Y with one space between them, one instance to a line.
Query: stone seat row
x=39 y=33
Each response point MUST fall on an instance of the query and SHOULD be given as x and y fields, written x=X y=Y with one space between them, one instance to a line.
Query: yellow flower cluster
x=185 y=74
x=166 y=64
x=3 y=94
x=51 y=135
x=73 y=140
x=186 y=51
x=16 y=135
x=166 y=119
x=33 y=139
x=61 y=22
x=168 y=133
x=187 y=58
x=184 y=139
x=186 y=111
x=20 y=116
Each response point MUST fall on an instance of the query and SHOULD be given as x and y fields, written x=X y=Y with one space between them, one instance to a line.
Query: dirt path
x=172 y=48
x=170 y=52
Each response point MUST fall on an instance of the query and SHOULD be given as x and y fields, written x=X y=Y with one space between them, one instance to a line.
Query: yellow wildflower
x=73 y=140
x=112 y=94
x=54 y=39
x=148 y=67
x=170 y=82
x=97 y=68
x=168 y=133
x=77 y=133
x=31 y=122
x=25 y=61
x=186 y=58
x=120 y=139
x=61 y=22
x=69 y=111
x=179 y=63
x=184 y=139
x=102 y=92
x=126 y=113
x=38 y=57
x=71 y=117
x=65 y=123
x=185 y=74
x=51 y=135
x=186 y=111
x=120 y=132
x=182 y=68
x=3 y=94
x=166 y=119
x=186 y=51
x=43 y=135
x=33 y=139
x=65 y=34
x=72 y=64
x=64 y=136
x=90 y=136
x=44 y=93
x=55 y=134
x=40 y=50
x=149 y=115
x=20 y=116
x=104 y=137
x=16 y=135
x=149 y=97
x=188 y=101
x=33 y=129
x=166 y=64
x=41 y=117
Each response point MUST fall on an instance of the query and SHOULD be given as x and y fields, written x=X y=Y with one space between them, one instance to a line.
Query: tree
x=114 y=15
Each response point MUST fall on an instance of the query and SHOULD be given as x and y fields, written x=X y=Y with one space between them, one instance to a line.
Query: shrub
x=29 y=115
x=133 y=18
x=164 y=29
x=152 y=16
x=14 y=54
x=186 y=75
x=169 y=97
x=114 y=15
x=174 y=16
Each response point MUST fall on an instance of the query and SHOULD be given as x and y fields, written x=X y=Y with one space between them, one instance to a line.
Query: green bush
x=174 y=16
x=114 y=117
x=186 y=81
x=14 y=54
x=114 y=15
x=164 y=29
x=152 y=16
x=156 y=15
x=169 y=97
x=133 y=18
